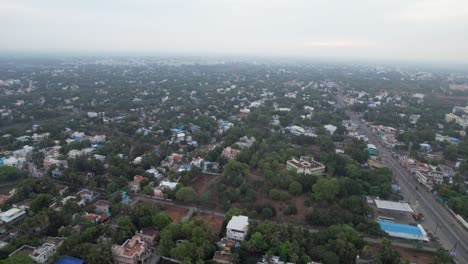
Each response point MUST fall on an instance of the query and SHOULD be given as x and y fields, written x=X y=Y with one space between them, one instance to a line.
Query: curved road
x=437 y=219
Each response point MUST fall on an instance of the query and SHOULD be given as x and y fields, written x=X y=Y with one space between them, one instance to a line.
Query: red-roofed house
x=138 y=178
x=95 y=218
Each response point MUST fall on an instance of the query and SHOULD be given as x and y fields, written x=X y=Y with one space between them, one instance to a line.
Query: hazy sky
x=422 y=30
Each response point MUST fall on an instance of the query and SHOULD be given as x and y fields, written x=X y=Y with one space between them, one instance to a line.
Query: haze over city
x=234 y=131
x=429 y=30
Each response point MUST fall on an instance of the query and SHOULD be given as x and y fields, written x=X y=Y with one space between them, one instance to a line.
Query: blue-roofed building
x=403 y=231
x=69 y=260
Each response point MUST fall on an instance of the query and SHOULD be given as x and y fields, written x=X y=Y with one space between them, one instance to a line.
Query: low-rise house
x=372 y=150
x=86 y=195
x=134 y=186
x=223 y=257
x=75 y=153
x=330 y=129
x=96 y=218
x=273 y=260
x=102 y=207
x=25 y=152
x=155 y=173
x=424 y=147
x=158 y=191
x=245 y=142
x=132 y=251
x=230 y=153
x=237 y=228
x=306 y=165
x=149 y=235
x=40 y=254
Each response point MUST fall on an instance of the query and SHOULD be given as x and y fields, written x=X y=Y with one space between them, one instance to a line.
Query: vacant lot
x=176 y=214
x=202 y=181
x=216 y=222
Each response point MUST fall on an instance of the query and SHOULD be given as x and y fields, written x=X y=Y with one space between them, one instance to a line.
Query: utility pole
x=437 y=227
x=453 y=250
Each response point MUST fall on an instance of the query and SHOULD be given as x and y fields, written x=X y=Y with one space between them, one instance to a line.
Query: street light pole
x=437 y=227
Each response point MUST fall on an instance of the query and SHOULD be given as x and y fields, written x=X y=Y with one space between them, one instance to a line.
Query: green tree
x=295 y=188
x=326 y=189
x=147 y=190
x=125 y=229
x=451 y=152
x=40 y=202
x=18 y=259
x=232 y=212
x=386 y=254
x=8 y=173
x=234 y=173
x=442 y=257
x=161 y=220
x=186 y=194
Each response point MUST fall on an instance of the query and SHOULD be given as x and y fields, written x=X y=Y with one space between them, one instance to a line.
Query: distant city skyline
x=412 y=30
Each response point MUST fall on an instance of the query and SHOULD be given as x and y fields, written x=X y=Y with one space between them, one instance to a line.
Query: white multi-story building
x=306 y=165
x=237 y=228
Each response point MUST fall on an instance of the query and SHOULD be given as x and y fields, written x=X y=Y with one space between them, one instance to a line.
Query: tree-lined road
x=438 y=219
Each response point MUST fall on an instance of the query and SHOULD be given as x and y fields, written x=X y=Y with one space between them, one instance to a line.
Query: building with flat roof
x=237 y=228
x=133 y=251
x=413 y=232
x=223 y=257
x=12 y=215
x=372 y=150
x=306 y=165
x=393 y=206
x=102 y=207
x=149 y=235
x=42 y=253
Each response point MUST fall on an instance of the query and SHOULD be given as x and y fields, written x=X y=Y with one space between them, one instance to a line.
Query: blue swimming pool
x=400 y=228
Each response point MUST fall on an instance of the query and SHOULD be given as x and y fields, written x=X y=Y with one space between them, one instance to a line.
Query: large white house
x=237 y=228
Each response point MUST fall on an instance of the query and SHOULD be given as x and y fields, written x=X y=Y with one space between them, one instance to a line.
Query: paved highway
x=437 y=219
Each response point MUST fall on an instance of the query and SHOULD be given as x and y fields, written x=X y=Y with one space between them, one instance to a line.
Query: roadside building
x=372 y=150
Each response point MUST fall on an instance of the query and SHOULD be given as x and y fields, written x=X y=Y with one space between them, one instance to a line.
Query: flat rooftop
x=309 y=163
x=404 y=231
x=238 y=223
x=394 y=206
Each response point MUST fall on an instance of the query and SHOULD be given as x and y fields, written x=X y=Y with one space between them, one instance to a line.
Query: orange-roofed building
x=138 y=178
x=133 y=251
